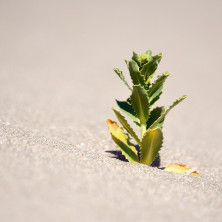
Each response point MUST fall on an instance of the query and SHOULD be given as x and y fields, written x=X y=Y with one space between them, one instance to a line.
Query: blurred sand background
x=56 y=90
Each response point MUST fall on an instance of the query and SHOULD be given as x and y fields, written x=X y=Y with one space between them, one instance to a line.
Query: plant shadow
x=117 y=154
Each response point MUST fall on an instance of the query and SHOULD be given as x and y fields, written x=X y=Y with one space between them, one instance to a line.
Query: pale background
x=56 y=90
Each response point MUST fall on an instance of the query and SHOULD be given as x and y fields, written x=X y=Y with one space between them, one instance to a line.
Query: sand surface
x=57 y=160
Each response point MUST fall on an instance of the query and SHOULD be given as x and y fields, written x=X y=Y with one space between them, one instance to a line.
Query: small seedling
x=139 y=108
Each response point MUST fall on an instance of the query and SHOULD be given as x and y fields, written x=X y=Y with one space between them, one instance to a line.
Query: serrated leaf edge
x=158 y=79
x=128 y=141
x=122 y=77
x=138 y=75
x=176 y=102
x=132 y=133
x=137 y=123
x=151 y=112
x=159 y=149
x=145 y=93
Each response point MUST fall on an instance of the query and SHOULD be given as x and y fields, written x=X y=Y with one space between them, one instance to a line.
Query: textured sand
x=56 y=90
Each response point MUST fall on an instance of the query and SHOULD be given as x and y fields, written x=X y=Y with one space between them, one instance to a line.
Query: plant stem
x=143 y=129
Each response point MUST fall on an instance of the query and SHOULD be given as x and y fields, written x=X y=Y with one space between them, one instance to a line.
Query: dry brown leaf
x=182 y=169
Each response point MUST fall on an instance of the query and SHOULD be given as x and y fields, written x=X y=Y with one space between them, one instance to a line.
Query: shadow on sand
x=117 y=154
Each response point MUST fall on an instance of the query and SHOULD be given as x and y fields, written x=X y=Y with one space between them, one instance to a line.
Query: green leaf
x=149 y=68
x=136 y=77
x=136 y=58
x=141 y=59
x=154 y=125
x=157 y=87
x=155 y=99
x=149 y=52
x=140 y=103
x=154 y=115
x=127 y=63
x=122 y=77
x=126 y=125
x=122 y=141
x=128 y=110
x=151 y=145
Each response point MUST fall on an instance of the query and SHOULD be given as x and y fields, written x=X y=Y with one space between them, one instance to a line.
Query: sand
x=57 y=159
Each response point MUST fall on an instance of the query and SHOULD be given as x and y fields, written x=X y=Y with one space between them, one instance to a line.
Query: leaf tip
x=127 y=61
x=111 y=124
x=183 y=97
x=160 y=55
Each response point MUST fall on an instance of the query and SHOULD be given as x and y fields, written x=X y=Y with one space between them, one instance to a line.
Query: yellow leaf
x=122 y=140
x=182 y=169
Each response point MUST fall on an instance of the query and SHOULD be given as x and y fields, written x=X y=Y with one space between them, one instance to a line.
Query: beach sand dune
x=57 y=159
